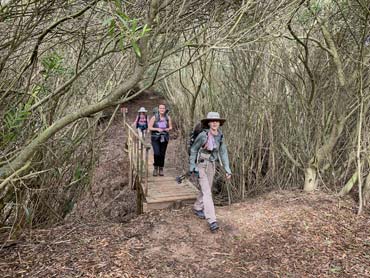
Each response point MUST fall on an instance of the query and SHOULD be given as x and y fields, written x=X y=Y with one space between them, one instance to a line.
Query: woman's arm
x=135 y=122
x=169 y=124
x=225 y=158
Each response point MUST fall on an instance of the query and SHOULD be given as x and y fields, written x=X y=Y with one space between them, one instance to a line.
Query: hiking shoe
x=155 y=171
x=161 y=171
x=213 y=227
x=200 y=214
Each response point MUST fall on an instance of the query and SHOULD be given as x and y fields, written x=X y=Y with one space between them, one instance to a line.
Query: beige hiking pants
x=204 y=200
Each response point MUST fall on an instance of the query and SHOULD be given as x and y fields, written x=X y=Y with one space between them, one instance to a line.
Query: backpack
x=198 y=128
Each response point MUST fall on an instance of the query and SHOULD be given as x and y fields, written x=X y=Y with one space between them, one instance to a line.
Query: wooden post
x=139 y=199
x=141 y=161
x=129 y=146
x=146 y=170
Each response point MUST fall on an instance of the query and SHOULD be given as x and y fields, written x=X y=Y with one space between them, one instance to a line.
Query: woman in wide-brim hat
x=208 y=148
x=141 y=122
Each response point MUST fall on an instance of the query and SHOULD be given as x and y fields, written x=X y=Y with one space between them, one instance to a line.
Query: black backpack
x=194 y=134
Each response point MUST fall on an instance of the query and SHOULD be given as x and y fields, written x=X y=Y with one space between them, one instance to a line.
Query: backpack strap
x=218 y=153
x=137 y=120
x=206 y=138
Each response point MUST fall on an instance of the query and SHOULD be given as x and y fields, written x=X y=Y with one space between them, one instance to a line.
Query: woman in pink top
x=160 y=125
x=141 y=122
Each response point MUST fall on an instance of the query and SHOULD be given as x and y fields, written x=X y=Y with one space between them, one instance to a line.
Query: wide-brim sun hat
x=142 y=109
x=213 y=116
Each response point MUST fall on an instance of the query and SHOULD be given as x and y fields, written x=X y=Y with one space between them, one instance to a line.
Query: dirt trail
x=280 y=234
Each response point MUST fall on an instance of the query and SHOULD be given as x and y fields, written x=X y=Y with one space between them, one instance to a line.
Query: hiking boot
x=155 y=171
x=161 y=171
x=213 y=227
x=199 y=213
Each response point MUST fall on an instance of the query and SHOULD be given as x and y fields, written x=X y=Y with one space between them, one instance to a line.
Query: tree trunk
x=347 y=188
x=310 y=179
x=366 y=191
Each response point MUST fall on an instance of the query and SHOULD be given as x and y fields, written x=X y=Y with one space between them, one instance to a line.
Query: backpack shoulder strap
x=156 y=117
x=206 y=134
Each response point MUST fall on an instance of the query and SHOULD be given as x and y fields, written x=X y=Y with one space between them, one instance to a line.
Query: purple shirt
x=162 y=124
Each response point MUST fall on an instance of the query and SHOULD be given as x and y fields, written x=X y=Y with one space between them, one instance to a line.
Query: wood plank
x=168 y=187
x=162 y=179
x=166 y=191
x=169 y=198
x=169 y=192
x=166 y=196
x=170 y=184
x=163 y=205
x=171 y=189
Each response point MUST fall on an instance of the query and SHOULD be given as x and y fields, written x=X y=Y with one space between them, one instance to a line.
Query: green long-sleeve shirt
x=219 y=151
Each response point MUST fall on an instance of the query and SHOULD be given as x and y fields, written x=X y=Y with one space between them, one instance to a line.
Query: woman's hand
x=228 y=176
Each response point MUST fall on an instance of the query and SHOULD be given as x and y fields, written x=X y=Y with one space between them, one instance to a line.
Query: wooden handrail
x=139 y=168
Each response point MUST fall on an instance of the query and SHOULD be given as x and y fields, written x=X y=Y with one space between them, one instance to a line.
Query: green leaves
x=14 y=119
x=53 y=63
x=129 y=30
x=136 y=48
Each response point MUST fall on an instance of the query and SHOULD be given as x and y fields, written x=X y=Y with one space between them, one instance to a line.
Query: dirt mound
x=282 y=234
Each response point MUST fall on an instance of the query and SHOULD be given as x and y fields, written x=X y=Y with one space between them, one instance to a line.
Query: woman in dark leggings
x=160 y=125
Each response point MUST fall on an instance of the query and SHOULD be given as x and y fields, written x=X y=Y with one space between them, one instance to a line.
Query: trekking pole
x=180 y=178
x=228 y=186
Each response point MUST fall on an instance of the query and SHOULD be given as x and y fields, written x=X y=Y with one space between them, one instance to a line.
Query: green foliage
x=14 y=119
x=53 y=63
x=130 y=30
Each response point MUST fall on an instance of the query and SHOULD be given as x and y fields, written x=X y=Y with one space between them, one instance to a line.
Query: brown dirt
x=280 y=234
